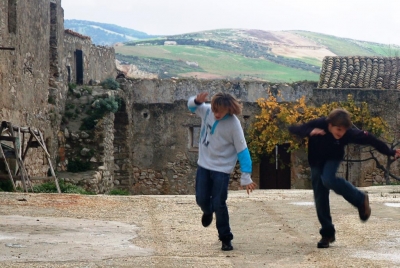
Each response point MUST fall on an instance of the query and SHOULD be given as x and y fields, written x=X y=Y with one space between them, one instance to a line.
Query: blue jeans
x=323 y=179
x=211 y=195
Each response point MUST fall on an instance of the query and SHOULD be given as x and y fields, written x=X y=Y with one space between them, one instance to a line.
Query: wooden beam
x=6 y=163
x=6 y=177
x=7 y=48
x=7 y=138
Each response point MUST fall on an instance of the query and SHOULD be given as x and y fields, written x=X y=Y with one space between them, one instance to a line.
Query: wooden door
x=275 y=169
x=79 y=67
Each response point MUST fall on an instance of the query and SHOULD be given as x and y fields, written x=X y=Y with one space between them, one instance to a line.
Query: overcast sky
x=368 y=20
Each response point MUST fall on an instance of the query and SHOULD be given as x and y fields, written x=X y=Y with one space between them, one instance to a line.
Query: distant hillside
x=103 y=33
x=282 y=56
x=276 y=56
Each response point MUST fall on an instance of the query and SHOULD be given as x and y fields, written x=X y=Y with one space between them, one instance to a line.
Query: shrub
x=89 y=122
x=78 y=166
x=68 y=114
x=65 y=187
x=118 y=192
x=110 y=83
x=6 y=186
x=71 y=86
x=101 y=107
x=69 y=106
x=87 y=89
x=51 y=100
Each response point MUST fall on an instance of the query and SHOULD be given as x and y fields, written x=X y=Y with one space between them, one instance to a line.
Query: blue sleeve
x=245 y=161
x=191 y=105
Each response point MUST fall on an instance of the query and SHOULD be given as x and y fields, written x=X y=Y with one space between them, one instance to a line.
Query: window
x=12 y=16
x=194 y=137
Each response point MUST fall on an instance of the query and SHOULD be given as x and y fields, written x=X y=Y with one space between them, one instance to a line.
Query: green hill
x=276 y=56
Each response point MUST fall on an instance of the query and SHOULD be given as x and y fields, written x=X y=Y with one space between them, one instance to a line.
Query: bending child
x=221 y=144
x=327 y=137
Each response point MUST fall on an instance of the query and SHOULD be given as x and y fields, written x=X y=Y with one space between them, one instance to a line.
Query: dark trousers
x=211 y=195
x=323 y=179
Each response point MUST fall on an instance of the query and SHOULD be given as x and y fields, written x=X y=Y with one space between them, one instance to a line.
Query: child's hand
x=202 y=97
x=397 y=155
x=317 y=131
x=250 y=187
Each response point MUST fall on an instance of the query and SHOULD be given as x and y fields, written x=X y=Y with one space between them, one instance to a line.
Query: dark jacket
x=326 y=147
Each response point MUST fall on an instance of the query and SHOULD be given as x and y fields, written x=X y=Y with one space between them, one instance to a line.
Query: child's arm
x=306 y=129
x=195 y=102
x=364 y=137
x=246 y=165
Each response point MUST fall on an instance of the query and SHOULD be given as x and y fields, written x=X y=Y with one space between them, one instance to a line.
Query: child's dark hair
x=226 y=100
x=340 y=118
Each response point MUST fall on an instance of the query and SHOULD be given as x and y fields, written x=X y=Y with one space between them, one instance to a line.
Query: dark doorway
x=79 y=67
x=69 y=73
x=275 y=169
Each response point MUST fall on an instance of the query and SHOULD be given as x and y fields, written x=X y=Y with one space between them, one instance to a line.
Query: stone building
x=160 y=133
x=37 y=61
x=149 y=145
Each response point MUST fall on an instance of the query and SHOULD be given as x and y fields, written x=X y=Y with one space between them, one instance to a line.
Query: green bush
x=6 y=186
x=65 y=187
x=71 y=86
x=78 y=166
x=110 y=83
x=69 y=114
x=118 y=192
x=101 y=107
x=89 y=122
x=51 y=100
x=69 y=106
x=87 y=89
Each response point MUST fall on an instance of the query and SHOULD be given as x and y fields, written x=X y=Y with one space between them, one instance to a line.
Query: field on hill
x=203 y=61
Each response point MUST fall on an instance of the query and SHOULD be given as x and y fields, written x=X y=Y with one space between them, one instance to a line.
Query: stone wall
x=34 y=73
x=98 y=61
x=91 y=149
x=162 y=143
x=164 y=158
x=24 y=71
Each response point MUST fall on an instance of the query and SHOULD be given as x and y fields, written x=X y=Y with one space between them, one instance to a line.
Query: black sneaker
x=325 y=241
x=206 y=219
x=364 y=211
x=226 y=245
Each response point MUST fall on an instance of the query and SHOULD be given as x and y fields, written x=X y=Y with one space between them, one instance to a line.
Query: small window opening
x=12 y=16
x=194 y=137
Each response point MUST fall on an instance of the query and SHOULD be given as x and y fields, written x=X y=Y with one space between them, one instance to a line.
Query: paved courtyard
x=272 y=228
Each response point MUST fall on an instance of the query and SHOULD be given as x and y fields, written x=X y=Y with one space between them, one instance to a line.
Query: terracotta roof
x=360 y=72
x=77 y=34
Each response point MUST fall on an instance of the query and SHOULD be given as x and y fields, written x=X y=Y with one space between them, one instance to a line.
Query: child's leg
x=203 y=190
x=219 y=196
x=321 y=198
x=340 y=185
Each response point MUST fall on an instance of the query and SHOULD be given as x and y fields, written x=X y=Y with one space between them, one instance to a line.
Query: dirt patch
x=302 y=52
x=266 y=36
x=201 y=75
x=272 y=228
